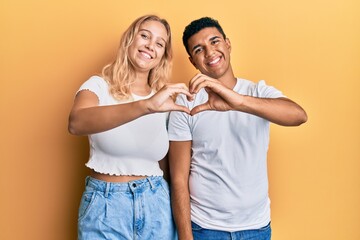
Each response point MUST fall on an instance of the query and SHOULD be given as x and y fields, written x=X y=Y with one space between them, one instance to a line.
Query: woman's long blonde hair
x=120 y=74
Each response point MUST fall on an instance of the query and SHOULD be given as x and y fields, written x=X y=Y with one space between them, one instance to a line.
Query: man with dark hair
x=204 y=22
x=218 y=154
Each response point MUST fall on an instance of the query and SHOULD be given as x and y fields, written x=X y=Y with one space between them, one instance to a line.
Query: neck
x=228 y=79
x=141 y=85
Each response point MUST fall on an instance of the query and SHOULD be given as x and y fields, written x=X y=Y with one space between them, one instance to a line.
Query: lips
x=214 y=61
x=146 y=54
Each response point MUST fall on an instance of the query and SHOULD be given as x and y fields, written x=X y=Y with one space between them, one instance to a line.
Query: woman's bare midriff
x=113 y=178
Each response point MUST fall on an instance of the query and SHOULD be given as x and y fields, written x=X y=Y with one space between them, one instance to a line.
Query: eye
x=144 y=36
x=161 y=45
x=197 y=50
x=215 y=41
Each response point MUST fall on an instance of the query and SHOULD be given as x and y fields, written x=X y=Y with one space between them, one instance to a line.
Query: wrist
x=240 y=103
x=144 y=106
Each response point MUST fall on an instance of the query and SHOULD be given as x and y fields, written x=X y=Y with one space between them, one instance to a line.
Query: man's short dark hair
x=196 y=26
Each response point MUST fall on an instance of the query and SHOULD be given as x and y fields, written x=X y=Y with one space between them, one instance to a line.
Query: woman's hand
x=163 y=100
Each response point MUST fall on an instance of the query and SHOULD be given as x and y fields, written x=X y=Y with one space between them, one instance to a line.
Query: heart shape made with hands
x=220 y=97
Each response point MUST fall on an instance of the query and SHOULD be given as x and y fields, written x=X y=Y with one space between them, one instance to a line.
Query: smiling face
x=148 y=47
x=210 y=53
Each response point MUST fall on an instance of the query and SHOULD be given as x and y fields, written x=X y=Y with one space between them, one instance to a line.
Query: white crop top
x=133 y=148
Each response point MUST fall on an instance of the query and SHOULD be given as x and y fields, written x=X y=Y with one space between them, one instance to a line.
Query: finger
x=169 y=88
x=195 y=80
x=201 y=81
x=206 y=84
x=178 y=85
x=179 y=88
x=195 y=77
x=181 y=108
x=190 y=99
x=182 y=91
x=200 y=108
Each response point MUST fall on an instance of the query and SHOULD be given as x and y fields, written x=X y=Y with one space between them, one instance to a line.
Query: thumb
x=200 y=108
x=181 y=109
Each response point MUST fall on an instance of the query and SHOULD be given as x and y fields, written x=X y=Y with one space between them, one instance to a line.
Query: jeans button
x=134 y=185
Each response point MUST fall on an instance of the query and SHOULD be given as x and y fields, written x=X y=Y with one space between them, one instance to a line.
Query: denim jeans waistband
x=132 y=186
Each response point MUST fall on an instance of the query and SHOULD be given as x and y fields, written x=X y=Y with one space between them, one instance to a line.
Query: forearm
x=97 y=119
x=179 y=160
x=280 y=111
x=181 y=210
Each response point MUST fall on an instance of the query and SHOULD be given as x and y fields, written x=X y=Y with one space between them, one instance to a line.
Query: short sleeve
x=96 y=85
x=178 y=126
x=265 y=91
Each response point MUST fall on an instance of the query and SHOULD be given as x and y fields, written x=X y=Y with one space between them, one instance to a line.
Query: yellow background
x=308 y=49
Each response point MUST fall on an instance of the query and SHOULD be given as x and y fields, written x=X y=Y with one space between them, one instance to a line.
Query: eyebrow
x=143 y=29
x=198 y=45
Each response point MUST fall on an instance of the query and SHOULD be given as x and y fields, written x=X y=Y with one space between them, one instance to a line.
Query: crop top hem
x=120 y=174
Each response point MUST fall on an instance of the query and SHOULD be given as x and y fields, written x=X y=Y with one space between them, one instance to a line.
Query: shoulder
x=97 y=85
x=257 y=89
x=94 y=83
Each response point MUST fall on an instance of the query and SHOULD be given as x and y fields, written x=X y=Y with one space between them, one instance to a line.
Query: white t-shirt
x=228 y=173
x=133 y=148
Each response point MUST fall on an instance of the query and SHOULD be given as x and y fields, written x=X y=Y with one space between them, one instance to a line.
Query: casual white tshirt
x=228 y=173
x=133 y=148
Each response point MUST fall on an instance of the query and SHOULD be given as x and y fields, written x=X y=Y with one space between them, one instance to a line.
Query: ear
x=228 y=44
x=192 y=62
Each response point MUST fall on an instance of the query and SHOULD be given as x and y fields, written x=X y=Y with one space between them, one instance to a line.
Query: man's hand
x=282 y=111
x=221 y=98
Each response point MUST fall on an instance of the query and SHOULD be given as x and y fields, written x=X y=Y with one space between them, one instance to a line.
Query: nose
x=209 y=51
x=150 y=45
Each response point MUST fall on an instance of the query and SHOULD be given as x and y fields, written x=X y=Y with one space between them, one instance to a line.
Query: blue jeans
x=207 y=234
x=138 y=210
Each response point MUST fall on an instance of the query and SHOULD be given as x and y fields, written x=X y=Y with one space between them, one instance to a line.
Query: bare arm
x=164 y=165
x=282 y=111
x=179 y=160
x=86 y=117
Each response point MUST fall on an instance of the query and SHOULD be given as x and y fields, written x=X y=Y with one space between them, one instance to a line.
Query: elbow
x=301 y=118
x=72 y=127
x=304 y=118
x=72 y=130
x=294 y=119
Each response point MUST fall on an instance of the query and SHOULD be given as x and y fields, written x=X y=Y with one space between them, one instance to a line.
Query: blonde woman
x=123 y=112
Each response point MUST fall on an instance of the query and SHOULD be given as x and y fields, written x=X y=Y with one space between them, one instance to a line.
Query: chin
x=215 y=75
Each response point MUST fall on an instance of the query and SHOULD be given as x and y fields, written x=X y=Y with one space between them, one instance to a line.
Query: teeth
x=146 y=55
x=215 y=61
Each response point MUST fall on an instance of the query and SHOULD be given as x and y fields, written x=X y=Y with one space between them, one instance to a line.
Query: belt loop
x=107 y=189
x=151 y=184
x=87 y=180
